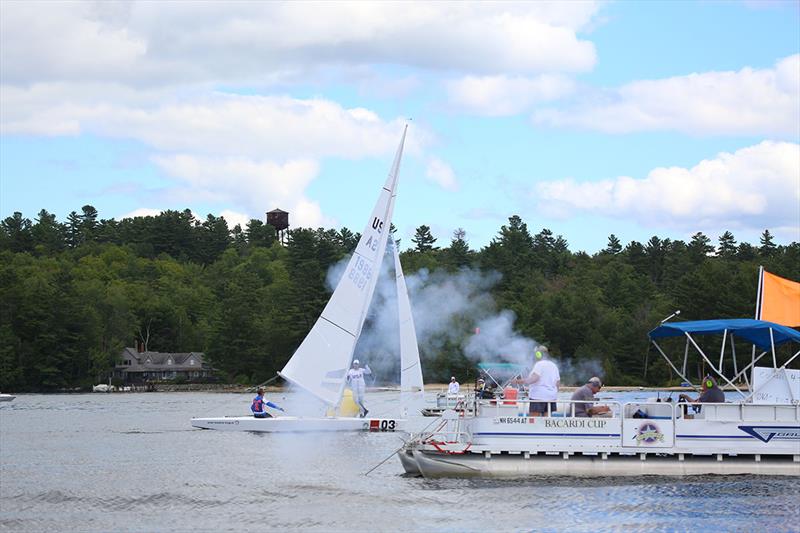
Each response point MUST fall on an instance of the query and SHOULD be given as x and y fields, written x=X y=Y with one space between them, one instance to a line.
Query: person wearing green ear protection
x=710 y=393
x=544 y=381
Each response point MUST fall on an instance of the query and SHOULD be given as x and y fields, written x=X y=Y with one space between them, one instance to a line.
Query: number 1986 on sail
x=360 y=273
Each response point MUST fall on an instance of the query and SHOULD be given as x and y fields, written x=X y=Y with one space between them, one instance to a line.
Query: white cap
x=452 y=378
x=355 y=361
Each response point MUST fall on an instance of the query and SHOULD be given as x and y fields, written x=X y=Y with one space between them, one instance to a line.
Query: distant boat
x=6 y=397
x=320 y=364
x=101 y=388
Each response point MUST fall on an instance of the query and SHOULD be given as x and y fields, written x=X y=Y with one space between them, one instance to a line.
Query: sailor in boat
x=259 y=405
x=586 y=394
x=454 y=387
x=544 y=381
x=709 y=393
x=355 y=379
x=481 y=391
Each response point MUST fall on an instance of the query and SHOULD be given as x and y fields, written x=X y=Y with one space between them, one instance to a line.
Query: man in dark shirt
x=710 y=393
x=585 y=394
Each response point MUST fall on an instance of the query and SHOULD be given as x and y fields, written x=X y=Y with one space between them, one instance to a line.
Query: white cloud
x=503 y=95
x=233 y=218
x=257 y=186
x=442 y=174
x=747 y=102
x=754 y=188
x=224 y=124
x=158 y=43
x=142 y=212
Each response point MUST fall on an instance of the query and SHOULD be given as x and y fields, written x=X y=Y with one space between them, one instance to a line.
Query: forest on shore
x=74 y=293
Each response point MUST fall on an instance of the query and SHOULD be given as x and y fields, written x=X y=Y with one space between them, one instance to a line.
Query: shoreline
x=430 y=387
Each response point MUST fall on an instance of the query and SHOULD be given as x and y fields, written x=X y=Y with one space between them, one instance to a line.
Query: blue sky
x=631 y=118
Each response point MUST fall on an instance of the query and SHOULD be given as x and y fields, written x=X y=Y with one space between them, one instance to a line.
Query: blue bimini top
x=755 y=331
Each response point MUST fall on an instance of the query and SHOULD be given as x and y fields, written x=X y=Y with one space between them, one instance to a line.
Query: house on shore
x=141 y=367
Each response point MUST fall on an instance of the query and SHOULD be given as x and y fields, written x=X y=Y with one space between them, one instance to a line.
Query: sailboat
x=319 y=365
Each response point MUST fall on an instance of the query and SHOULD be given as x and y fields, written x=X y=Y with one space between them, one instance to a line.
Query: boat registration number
x=382 y=425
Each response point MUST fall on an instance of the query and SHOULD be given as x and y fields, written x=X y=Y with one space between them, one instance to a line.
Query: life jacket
x=258 y=405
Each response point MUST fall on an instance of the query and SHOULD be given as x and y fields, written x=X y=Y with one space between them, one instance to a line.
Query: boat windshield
x=501 y=373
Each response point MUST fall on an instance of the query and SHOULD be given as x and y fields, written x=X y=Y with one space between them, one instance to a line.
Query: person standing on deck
x=259 y=406
x=544 y=381
x=355 y=380
x=454 y=387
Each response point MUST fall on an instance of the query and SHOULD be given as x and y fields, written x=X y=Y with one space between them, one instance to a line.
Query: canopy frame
x=718 y=368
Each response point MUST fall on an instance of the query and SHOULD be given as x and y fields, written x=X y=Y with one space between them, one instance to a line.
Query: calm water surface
x=132 y=462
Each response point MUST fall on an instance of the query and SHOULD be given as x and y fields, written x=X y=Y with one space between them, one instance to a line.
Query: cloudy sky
x=587 y=118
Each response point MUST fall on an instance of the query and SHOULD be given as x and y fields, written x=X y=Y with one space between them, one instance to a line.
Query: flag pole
x=758 y=295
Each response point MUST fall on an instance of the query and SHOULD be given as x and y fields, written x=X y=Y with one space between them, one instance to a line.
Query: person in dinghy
x=259 y=405
x=355 y=380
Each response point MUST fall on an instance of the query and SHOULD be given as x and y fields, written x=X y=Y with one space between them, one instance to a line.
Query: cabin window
x=169 y=361
x=191 y=361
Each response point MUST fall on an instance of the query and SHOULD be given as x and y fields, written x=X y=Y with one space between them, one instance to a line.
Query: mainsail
x=321 y=361
x=410 y=368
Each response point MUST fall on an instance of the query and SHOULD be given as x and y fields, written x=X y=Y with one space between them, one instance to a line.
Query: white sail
x=410 y=367
x=321 y=361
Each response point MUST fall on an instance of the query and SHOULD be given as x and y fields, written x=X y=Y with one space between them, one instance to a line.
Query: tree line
x=74 y=293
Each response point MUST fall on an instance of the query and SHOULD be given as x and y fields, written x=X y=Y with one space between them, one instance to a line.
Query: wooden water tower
x=279 y=220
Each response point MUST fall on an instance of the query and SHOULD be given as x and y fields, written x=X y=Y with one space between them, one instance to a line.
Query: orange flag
x=780 y=300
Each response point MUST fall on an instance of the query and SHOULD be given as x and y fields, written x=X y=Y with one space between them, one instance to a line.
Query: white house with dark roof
x=140 y=367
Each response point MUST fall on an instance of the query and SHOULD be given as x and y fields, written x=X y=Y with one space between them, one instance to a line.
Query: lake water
x=132 y=462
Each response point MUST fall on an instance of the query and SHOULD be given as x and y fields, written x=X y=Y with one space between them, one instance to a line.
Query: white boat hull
x=6 y=397
x=723 y=439
x=477 y=465
x=293 y=424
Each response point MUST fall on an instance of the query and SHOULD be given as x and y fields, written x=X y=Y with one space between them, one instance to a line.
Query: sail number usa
x=360 y=273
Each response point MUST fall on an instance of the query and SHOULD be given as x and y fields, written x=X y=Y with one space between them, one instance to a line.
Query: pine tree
x=458 y=255
x=768 y=247
x=47 y=233
x=17 y=235
x=614 y=246
x=260 y=234
x=699 y=248
x=424 y=240
x=727 y=245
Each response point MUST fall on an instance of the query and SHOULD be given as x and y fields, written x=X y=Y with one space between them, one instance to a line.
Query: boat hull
x=293 y=424
x=408 y=461
x=476 y=465
x=6 y=397
x=721 y=439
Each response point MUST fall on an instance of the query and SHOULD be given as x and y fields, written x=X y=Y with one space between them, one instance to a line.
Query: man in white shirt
x=355 y=379
x=453 y=388
x=544 y=381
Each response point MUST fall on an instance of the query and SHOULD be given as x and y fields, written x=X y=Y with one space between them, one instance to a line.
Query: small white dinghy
x=6 y=397
x=320 y=364
x=295 y=424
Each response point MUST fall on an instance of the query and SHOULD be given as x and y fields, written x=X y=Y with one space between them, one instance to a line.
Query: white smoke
x=449 y=309
x=496 y=341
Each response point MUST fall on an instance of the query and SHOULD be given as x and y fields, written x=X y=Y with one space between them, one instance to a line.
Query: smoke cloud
x=449 y=309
